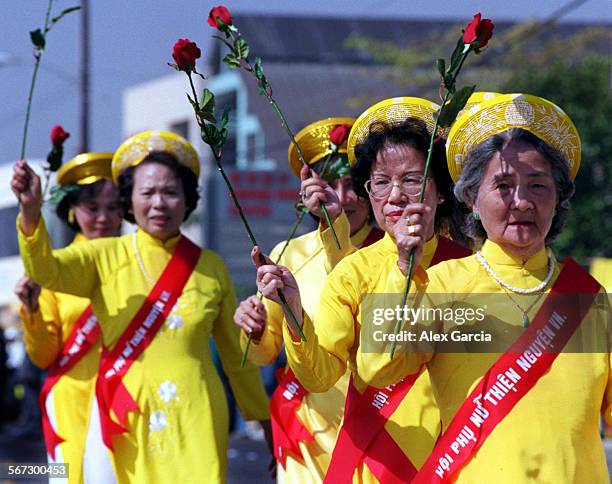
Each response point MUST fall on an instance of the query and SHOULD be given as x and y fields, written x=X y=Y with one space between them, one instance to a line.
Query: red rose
x=219 y=12
x=58 y=136
x=185 y=54
x=477 y=29
x=339 y=133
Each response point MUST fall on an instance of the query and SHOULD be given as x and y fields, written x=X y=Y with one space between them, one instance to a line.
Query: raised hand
x=250 y=315
x=271 y=278
x=26 y=186
x=412 y=230
x=315 y=190
x=28 y=293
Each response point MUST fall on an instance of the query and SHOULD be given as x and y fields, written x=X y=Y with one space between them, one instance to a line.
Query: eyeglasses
x=381 y=187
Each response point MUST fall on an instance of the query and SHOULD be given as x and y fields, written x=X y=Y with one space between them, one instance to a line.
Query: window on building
x=252 y=148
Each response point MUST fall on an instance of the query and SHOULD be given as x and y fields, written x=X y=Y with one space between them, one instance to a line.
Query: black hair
x=187 y=177
x=79 y=194
x=413 y=132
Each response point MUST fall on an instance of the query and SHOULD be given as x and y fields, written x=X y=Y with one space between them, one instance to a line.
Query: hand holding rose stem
x=185 y=54
x=220 y=18
x=475 y=36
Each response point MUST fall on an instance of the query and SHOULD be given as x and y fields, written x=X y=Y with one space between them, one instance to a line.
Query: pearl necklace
x=518 y=290
x=142 y=269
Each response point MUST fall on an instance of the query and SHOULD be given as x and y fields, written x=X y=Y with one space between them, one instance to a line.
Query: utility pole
x=84 y=77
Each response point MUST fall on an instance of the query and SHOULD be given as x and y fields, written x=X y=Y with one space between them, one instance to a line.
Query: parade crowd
x=123 y=322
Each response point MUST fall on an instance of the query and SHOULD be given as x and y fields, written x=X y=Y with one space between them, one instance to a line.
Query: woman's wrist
x=298 y=313
x=29 y=221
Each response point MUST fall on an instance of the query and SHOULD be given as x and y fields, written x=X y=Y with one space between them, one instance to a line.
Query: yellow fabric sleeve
x=322 y=359
x=42 y=330
x=607 y=408
x=245 y=381
x=333 y=255
x=374 y=365
x=605 y=312
x=71 y=270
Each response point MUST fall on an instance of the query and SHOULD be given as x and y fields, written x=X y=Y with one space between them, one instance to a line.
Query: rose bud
x=339 y=133
x=185 y=54
x=219 y=12
x=58 y=135
x=477 y=29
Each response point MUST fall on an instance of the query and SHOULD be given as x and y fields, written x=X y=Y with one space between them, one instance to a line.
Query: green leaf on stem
x=258 y=69
x=225 y=28
x=241 y=48
x=207 y=106
x=262 y=82
x=225 y=116
x=38 y=39
x=223 y=134
x=58 y=192
x=456 y=56
x=66 y=11
x=209 y=134
x=54 y=158
x=198 y=74
x=337 y=169
x=448 y=112
x=232 y=61
x=441 y=65
x=192 y=102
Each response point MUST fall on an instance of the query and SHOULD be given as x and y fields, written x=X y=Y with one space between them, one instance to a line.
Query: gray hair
x=466 y=188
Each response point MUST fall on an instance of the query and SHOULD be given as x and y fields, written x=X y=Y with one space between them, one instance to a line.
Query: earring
x=71 y=218
x=440 y=200
x=476 y=214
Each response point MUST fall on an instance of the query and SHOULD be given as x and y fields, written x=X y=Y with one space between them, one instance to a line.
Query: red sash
x=84 y=334
x=287 y=430
x=518 y=369
x=374 y=236
x=110 y=391
x=448 y=249
x=362 y=436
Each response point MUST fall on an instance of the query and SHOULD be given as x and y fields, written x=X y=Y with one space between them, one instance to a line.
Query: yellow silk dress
x=552 y=434
x=45 y=332
x=180 y=433
x=332 y=340
x=310 y=258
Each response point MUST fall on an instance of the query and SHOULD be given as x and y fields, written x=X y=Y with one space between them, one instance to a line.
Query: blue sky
x=131 y=42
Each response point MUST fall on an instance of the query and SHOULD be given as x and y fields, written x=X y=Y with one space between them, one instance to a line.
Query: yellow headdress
x=505 y=111
x=133 y=150
x=85 y=168
x=393 y=112
x=315 y=143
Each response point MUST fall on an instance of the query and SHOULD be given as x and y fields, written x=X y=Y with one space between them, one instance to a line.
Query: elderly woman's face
x=158 y=200
x=517 y=199
x=400 y=166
